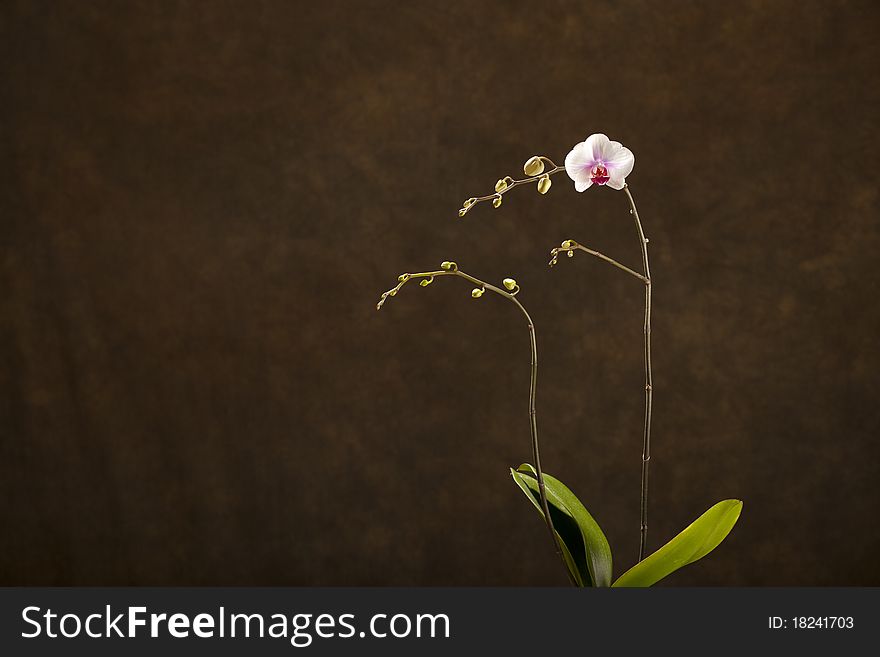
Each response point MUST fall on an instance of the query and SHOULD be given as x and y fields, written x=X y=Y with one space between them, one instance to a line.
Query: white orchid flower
x=599 y=160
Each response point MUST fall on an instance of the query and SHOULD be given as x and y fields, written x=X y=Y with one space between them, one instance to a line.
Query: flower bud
x=470 y=202
x=501 y=185
x=570 y=254
x=476 y=293
x=462 y=212
x=533 y=166
x=509 y=283
x=567 y=244
x=448 y=265
x=544 y=184
x=425 y=282
x=403 y=278
x=496 y=202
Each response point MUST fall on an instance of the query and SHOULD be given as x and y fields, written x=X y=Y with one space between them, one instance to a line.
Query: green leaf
x=566 y=529
x=696 y=541
x=585 y=548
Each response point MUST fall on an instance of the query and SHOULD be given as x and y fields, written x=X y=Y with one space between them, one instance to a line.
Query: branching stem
x=453 y=270
x=574 y=246
x=471 y=202
x=569 y=247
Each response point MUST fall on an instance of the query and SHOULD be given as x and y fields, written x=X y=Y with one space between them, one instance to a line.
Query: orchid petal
x=615 y=182
x=578 y=163
x=620 y=160
x=582 y=185
x=599 y=147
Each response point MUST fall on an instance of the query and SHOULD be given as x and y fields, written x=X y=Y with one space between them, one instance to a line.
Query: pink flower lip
x=599 y=175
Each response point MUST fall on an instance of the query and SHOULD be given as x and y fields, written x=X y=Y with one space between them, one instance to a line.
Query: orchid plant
x=577 y=538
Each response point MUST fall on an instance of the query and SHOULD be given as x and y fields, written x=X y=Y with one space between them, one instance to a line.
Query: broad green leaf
x=696 y=541
x=566 y=528
x=580 y=534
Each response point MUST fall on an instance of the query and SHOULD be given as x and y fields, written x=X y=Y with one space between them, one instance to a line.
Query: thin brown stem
x=533 y=427
x=451 y=269
x=471 y=202
x=570 y=245
x=649 y=384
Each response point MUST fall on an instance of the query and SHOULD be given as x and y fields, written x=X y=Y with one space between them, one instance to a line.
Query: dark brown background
x=201 y=202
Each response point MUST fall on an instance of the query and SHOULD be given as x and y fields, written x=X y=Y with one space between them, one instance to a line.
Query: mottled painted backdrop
x=201 y=202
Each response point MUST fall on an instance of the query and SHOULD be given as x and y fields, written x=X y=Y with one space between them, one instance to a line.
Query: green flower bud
x=533 y=166
x=567 y=244
x=403 y=277
x=496 y=202
x=448 y=265
x=501 y=185
x=544 y=184
x=476 y=293
x=509 y=283
x=425 y=282
x=462 y=212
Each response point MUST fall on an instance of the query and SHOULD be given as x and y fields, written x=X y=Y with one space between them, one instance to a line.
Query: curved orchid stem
x=569 y=247
x=451 y=269
x=510 y=183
